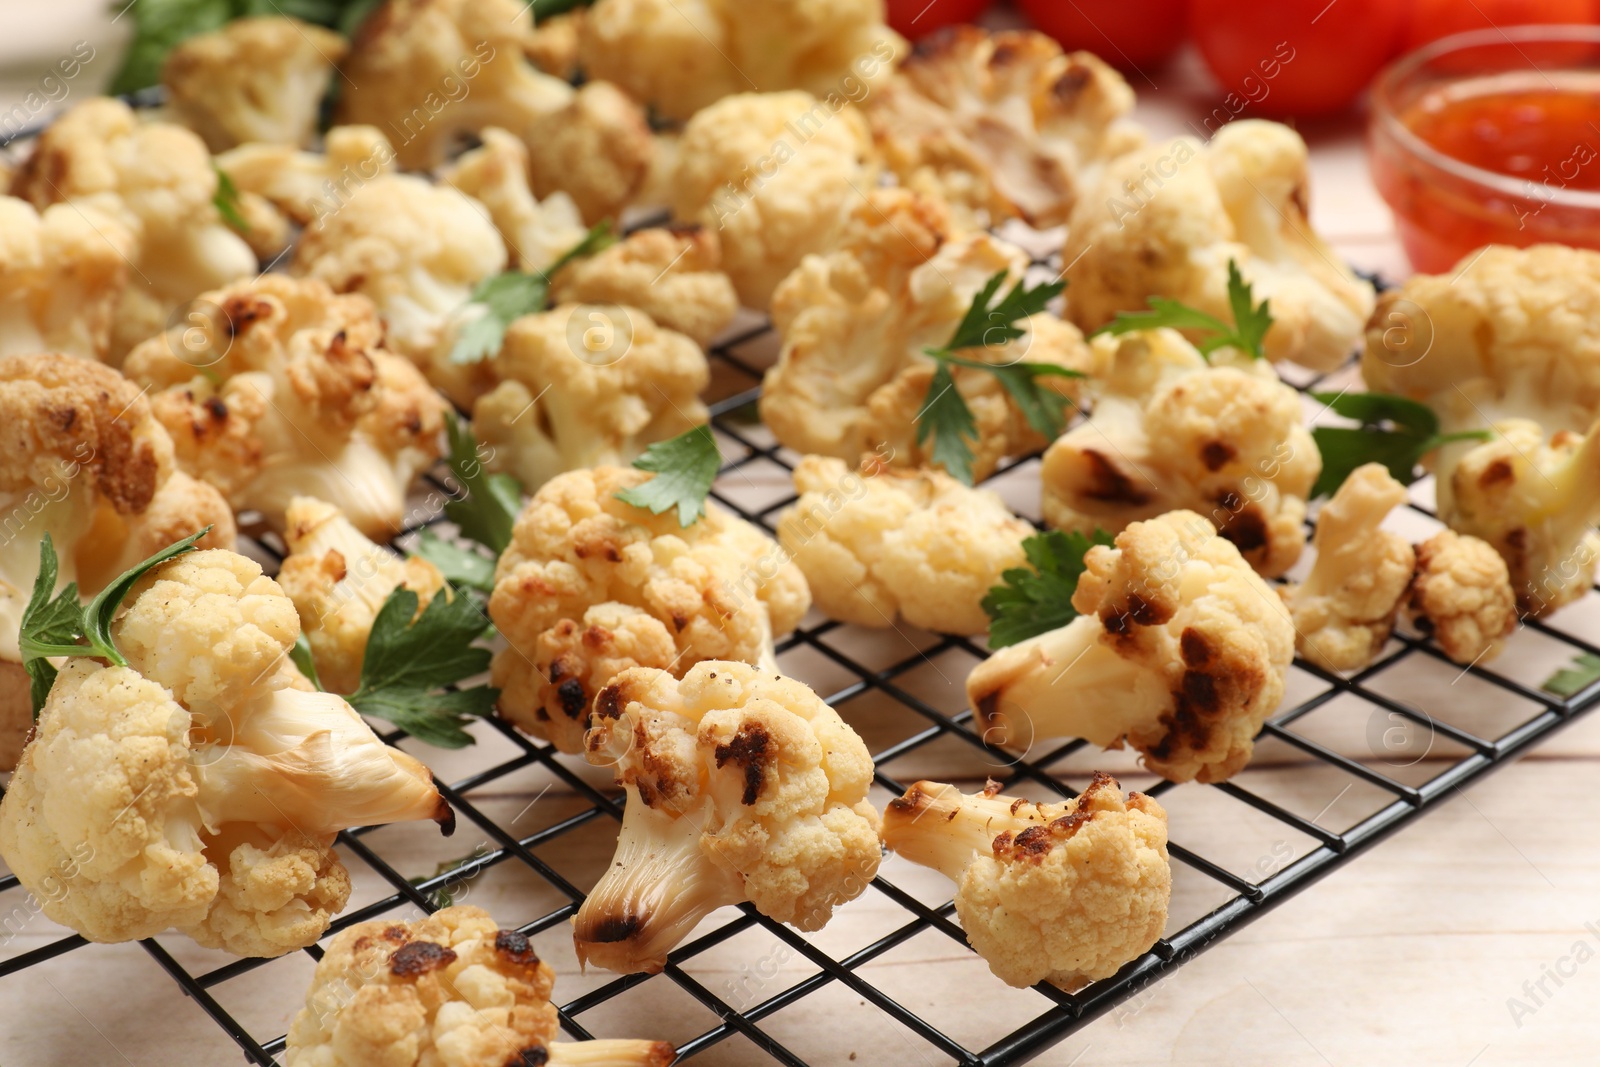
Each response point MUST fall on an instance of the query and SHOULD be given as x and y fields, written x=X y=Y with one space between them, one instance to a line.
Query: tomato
x=1433 y=19
x=918 y=18
x=1129 y=34
x=1299 y=58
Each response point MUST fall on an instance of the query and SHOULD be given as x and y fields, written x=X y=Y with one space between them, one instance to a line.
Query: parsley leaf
x=1570 y=681
x=460 y=565
x=1038 y=599
x=543 y=9
x=227 y=201
x=1248 y=334
x=301 y=656
x=1394 y=431
x=684 y=469
x=987 y=325
x=411 y=657
x=492 y=502
x=946 y=418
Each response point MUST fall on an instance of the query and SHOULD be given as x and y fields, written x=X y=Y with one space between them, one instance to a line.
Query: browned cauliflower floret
x=681 y=56
x=1462 y=597
x=742 y=786
x=552 y=44
x=280 y=388
x=851 y=377
x=496 y=175
x=304 y=186
x=1002 y=125
x=1166 y=220
x=1062 y=893
x=255 y=79
x=62 y=275
x=773 y=174
x=1181 y=650
x=1171 y=430
x=450 y=989
x=888 y=543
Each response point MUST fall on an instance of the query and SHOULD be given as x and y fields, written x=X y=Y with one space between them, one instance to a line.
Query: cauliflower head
x=200 y=787
x=1180 y=650
x=62 y=275
x=1170 y=431
x=671 y=273
x=1461 y=596
x=1001 y=124
x=1062 y=893
x=338 y=580
x=717 y=590
x=851 y=377
x=741 y=785
x=303 y=186
x=496 y=175
x=773 y=174
x=887 y=543
x=682 y=56
x=586 y=386
x=1166 y=220
x=279 y=388
x=256 y=80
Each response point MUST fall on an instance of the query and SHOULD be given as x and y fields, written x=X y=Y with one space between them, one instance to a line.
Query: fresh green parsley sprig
x=1394 y=431
x=1248 y=333
x=684 y=468
x=227 y=201
x=489 y=507
x=1038 y=598
x=1570 y=681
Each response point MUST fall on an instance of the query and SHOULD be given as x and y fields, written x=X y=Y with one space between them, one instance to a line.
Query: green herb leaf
x=1251 y=321
x=1038 y=599
x=1045 y=409
x=599 y=238
x=300 y=654
x=684 y=469
x=1395 y=431
x=460 y=565
x=987 y=325
x=1570 y=681
x=946 y=419
x=492 y=502
x=227 y=201
x=410 y=658
x=543 y=9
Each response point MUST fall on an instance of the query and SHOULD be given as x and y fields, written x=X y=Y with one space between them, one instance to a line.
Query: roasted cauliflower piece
x=451 y=989
x=254 y=80
x=1180 y=650
x=1061 y=893
x=1166 y=220
x=719 y=589
x=851 y=376
x=773 y=174
x=1001 y=125
x=304 y=186
x=1461 y=596
x=200 y=787
x=62 y=276
x=888 y=543
x=671 y=273
x=496 y=175
x=157 y=181
x=1169 y=430
x=741 y=786
x=279 y=388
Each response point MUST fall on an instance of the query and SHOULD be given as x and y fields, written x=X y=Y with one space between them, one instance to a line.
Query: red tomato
x=1295 y=57
x=918 y=18
x=1129 y=34
x=1433 y=19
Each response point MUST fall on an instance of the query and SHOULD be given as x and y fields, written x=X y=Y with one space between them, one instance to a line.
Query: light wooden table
x=1410 y=956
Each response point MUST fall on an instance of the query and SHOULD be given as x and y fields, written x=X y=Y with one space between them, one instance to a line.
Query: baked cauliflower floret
x=496 y=175
x=62 y=274
x=741 y=786
x=280 y=388
x=451 y=989
x=851 y=376
x=1169 y=430
x=720 y=589
x=888 y=543
x=1344 y=611
x=304 y=186
x=1001 y=125
x=773 y=174
x=338 y=580
x=1166 y=220
x=1180 y=650
x=255 y=79
x=157 y=181
x=582 y=386
x=1462 y=597
x=1062 y=893
x=200 y=787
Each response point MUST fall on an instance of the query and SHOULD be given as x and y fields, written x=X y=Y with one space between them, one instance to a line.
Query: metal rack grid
x=1249 y=899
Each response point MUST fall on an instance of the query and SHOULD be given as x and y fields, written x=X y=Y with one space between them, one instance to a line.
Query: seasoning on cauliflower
x=741 y=786
x=62 y=275
x=451 y=989
x=254 y=80
x=1001 y=125
x=773 y=174
x=1462 y=597
x=583 y=566
x=888 y=543
x=157 y=181
x=851 y=377
x=278 y=388
x=1062 y=893
x=1181 y=650
x=562 y=405
x=496 y=175
x=338 y=580
x=1165 y=221
x=200 y=787
x=682 y=56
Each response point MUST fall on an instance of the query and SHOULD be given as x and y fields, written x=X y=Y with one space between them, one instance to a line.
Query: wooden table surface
x=1418 y=954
